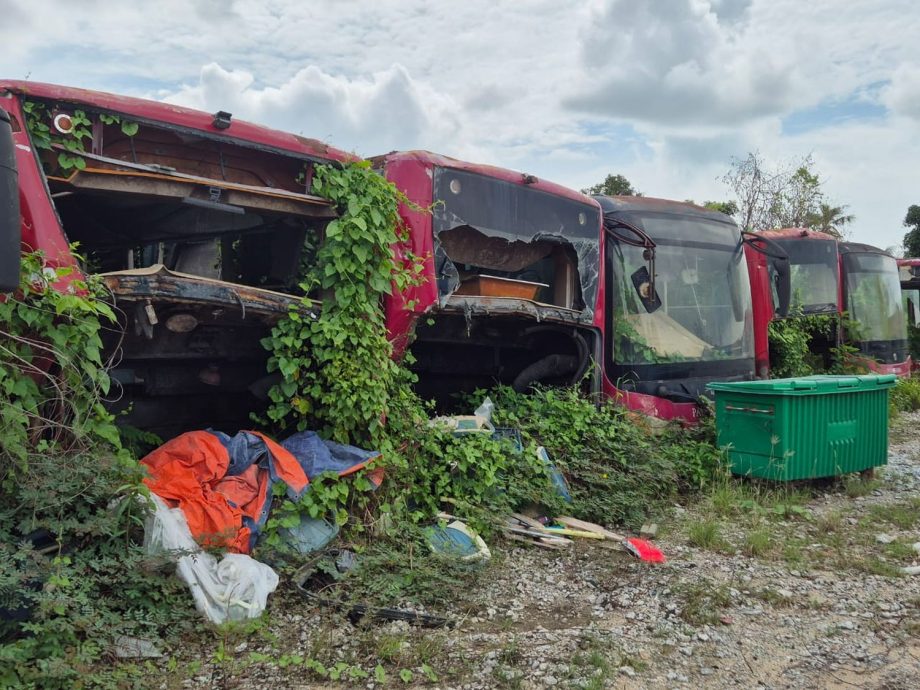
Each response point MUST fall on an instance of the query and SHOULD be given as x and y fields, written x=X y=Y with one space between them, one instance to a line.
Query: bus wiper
x=829 y=308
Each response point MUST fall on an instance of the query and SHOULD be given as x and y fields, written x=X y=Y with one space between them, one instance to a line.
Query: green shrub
x=63 y=472
x=904 y=397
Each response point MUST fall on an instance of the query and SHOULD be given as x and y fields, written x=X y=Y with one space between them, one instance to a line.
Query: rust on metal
x=157 y=283
x=510 y=306
x=179 y=187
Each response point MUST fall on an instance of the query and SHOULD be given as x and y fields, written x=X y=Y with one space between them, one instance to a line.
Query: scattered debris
x=213 y=489
x=640 y=548
x=649 y=530
x=127 y=647
x=457 y=539
x=312 y=534
x=234 y=588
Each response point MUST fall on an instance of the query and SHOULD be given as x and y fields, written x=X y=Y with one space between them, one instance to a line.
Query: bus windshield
x=701 y=309
x=813 y=273
x=873 y=292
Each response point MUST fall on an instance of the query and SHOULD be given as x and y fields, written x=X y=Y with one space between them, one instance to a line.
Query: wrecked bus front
x=814 y=286
x=199 y=224
x=877 y=326
x=677 y=312
x=510 y=280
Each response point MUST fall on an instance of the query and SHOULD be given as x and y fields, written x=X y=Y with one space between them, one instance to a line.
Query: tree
x=798 y=199
x=786 y=196
x=729 y=208
x=756 y=189
x=912 y=238
x=830 y=219
x=613 y=185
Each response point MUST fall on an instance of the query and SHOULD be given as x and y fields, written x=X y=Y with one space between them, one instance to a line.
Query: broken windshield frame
x=702 y=284
x=488 y=227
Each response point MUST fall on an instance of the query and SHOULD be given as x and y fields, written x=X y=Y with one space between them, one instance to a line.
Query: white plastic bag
x=234 y=588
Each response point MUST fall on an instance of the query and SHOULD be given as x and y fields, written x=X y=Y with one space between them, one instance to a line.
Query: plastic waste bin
x=804 y=428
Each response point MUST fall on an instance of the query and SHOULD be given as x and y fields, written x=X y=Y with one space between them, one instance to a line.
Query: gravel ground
x=824 y=605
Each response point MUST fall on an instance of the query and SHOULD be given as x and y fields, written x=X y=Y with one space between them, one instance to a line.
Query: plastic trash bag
x=485 y=409
x=234 y=588
x=310 y=535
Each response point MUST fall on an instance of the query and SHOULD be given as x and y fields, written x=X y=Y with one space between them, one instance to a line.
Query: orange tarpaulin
x=190 y=471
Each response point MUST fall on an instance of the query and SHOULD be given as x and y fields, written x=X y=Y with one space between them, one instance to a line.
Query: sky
x=664 y=92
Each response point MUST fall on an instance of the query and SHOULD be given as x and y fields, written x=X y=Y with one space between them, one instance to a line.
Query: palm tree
x=830 y=219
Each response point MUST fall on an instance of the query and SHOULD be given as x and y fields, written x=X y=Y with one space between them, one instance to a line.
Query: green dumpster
x=802 y=428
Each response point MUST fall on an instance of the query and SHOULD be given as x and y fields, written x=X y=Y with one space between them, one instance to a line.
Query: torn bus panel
x=487 y=227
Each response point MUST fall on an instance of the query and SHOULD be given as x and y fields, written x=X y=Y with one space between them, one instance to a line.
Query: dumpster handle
x=748 y=409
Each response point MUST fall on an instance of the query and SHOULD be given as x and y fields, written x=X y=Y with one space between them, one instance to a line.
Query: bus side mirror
x=783 y=280
x=9 y=208
x=642 y=282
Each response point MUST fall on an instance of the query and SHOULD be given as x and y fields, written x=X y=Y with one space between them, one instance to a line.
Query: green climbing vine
x=68 y=145
x=336 y=366
x=52 y=374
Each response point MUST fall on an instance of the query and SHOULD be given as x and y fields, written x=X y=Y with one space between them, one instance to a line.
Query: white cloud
x=388 y=110
x=902 y=95
x=680 y=63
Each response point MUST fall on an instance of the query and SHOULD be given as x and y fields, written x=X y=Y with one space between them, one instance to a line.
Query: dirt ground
x=793 y=588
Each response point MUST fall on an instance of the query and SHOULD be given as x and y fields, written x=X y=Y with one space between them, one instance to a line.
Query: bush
x=66 y=481
x=618 y=469
x=904 y=397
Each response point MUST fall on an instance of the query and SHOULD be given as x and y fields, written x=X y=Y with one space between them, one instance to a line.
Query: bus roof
x=166 y=114
x=437 y=160
x=648 y=204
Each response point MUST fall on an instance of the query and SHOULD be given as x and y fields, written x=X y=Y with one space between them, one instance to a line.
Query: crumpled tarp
x=223 y=483
x=317 y=455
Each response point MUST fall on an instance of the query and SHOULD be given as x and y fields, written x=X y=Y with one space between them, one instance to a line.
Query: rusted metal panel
x=179 y=187
x=509 y=306
x=157 y=284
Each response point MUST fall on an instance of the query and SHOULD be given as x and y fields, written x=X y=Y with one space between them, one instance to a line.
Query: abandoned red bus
x=677 y=304
x=511 y=277
x=198 y=224
x=832 y=277
x=909 y=270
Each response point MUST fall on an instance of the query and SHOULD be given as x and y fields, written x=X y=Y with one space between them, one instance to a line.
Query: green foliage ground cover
x=64 y=472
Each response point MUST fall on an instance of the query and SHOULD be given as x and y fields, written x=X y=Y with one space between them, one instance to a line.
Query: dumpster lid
x=818 y=384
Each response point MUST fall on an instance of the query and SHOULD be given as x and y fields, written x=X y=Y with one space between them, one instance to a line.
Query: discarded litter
x=640 y=548
x=127 y=647
x=223 y=483
x=312 y=534
x=556 y=477
x=214 y=489
x=234 y=588
x=458 y=540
